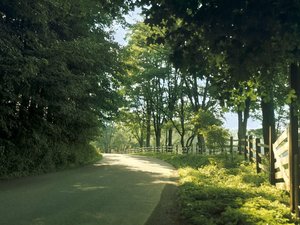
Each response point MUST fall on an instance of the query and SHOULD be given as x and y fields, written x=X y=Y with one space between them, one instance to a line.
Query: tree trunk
x=293 y=136
x=268 y=120
x=170 y=137
x=243 y=117
x=166 y=138
x=141 y=139
x=190 y=140
x=148 y=124
x=201 y=143
x=182 y=141
x=182 y=121
x=157 y=137
x=242 y=130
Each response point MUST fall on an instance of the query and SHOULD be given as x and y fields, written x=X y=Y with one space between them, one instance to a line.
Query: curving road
x=119 y=190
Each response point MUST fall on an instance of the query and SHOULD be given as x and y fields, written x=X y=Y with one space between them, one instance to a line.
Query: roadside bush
x=218 y=191
x=41 y=157
x=216 y=138
x=231 y=196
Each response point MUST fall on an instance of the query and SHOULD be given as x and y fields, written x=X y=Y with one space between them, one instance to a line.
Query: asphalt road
x=119 y=190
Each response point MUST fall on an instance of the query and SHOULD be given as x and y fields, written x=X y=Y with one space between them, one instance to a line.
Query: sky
x=120 y=32
x=230 y=121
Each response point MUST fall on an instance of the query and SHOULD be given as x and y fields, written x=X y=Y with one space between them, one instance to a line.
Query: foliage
x=150 y=88
x=204 y=119
x=245 y=49
x=215 y=191
x=59 y=73
x=258 y=133
x=216 y=138
x=179 y=161
x=209 y=126
x=159 y=95
x=114 y=138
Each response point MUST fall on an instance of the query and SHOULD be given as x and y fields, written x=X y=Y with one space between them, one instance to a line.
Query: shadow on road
x=120 y=190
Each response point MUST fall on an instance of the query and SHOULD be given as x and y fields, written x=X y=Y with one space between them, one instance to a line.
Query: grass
x=216 y=190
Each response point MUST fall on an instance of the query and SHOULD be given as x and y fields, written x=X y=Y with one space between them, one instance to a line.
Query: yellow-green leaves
x=291 y=96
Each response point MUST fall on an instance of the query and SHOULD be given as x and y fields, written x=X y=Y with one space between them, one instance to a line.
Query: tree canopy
x=59 y=71
x=64 y=80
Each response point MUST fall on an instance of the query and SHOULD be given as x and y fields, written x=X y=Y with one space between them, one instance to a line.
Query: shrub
x=216 y=138
x=215 y=192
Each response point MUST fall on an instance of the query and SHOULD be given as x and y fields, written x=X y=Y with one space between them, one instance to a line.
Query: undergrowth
x=215 y=190
x=64 y=157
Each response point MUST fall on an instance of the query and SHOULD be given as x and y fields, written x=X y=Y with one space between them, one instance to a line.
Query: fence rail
x=256 y=152
x=165 y=149
x=276 y=159
x=253 y=149
x=280 y=150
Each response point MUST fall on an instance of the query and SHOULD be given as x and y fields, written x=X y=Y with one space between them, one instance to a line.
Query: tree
x=149 y=68
x=216 y=138
x=59 y=73
x=252 y=37
x=203 y=120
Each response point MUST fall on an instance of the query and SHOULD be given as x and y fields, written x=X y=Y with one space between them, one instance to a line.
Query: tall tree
x=148 y=70
x=59 y=71
x=253 y=36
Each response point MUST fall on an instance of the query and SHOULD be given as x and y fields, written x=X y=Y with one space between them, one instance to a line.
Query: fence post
x=250 y=149
x=240 y=146
x=245 y=149
x=272 y=159
x=293 y=169
x=231 y=148
x=293 y=142
x=257 y=155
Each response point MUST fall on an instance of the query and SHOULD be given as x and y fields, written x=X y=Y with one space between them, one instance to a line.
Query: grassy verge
x=216 y=190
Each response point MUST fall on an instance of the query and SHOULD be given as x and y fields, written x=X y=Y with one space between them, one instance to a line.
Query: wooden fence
x=273 y=159
x=277 y=159
x=165 y=149
x=253 y=149
x=282 y=161
x=281 y=155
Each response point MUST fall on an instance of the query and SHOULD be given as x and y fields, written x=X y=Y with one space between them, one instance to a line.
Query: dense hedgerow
x=45 y=160
x=59 y=77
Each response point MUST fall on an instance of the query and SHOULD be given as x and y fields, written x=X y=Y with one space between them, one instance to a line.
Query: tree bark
x=170 y=137
x=141 y=141
x=157 y=137
x=268 y=120
x=148 y=123
x=294 y=153
x=182 y=121
x=243 y=116
x=201 y=143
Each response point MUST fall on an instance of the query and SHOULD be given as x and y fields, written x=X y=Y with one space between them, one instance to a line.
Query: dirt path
x=119 y=190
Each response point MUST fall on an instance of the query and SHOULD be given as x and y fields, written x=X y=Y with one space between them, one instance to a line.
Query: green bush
x=40 y=157
x=216 y=138
x=217 y=191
